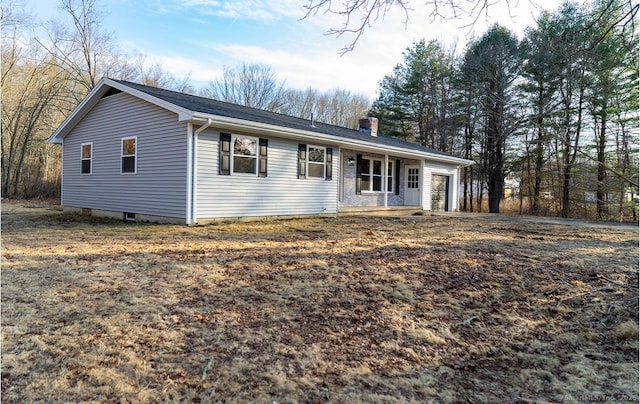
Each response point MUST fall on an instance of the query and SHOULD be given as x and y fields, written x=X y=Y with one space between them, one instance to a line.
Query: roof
x=192 y=107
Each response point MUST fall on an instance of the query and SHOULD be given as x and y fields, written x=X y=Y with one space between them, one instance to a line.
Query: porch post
x=385 y=179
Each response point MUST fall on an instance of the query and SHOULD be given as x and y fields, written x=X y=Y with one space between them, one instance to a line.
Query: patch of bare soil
x=351 y=309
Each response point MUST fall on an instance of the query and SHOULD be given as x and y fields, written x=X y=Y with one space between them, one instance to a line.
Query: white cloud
x=305 y=57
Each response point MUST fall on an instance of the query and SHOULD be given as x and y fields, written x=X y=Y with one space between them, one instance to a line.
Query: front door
x=412 y=188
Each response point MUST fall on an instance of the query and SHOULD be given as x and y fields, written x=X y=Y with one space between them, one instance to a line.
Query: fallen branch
x=604 y=289
x=622 y=285
x=206 y=367
x=468 y=321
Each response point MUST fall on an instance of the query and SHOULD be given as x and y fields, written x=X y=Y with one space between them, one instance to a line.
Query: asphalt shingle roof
x=214 y=107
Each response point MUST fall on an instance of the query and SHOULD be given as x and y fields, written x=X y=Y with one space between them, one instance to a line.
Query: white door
x=412 y=186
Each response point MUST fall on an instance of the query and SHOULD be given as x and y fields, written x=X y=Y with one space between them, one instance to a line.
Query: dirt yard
x=460 y=308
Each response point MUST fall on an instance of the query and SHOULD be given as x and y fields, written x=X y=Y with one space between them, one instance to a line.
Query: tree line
x=47 y=69
x=555 y=113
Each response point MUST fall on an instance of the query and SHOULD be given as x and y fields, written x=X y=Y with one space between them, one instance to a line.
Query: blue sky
x=199 y=37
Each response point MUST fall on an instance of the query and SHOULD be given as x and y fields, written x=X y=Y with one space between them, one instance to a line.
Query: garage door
x=439 y=193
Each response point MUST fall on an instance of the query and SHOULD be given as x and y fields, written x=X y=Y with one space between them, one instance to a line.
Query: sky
x=197 y=38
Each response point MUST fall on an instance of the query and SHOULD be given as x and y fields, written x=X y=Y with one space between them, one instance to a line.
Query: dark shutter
x=397 y=179
x=302 y=160
x=225 y=154
x=262 y=157
x=358 y=174
x=329 y=166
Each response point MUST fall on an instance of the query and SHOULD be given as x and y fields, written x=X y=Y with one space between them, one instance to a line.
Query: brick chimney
x=368 y=125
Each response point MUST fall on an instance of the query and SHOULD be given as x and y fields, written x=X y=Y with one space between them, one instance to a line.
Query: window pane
x=365 y=166
x=128 y=147
x=389 y=184
x=366 y=182
x=316 y=170
x=377 y=184
x=377 y=167
x=86 y=167
x=316 y=155
x=244 y=146
x=86 y=151
x=129 y=164
x=244 y=165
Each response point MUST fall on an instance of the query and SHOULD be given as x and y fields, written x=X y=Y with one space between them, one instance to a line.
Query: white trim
x=324 y=162
x=135 y=155
x=384 y=175
x=194 y=176
x=90 y=158
x=385 y=180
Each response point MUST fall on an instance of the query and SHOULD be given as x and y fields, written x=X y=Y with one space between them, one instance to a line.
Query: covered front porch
x=391 y=184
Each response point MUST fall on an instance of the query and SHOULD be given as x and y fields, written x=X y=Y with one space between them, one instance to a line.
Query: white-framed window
x=129 y=150
x=86 y=158
x=244 y=155
x=372 y=175
x=316 y=160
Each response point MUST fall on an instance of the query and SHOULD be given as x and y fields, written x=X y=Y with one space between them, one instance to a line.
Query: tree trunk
x=600 y=190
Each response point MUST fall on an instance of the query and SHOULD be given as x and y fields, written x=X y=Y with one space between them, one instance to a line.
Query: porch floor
x=379 y=210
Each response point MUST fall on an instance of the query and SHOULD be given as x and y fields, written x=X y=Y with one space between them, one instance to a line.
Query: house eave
x=235 y=124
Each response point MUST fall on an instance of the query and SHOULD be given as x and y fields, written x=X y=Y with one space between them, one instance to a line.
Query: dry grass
x=411 y=309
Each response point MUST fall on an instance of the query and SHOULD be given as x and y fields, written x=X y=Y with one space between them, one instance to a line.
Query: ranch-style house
x=143 y=153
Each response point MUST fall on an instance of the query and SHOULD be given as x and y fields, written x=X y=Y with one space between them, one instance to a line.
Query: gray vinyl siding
x=159 y=186
x=280 y=193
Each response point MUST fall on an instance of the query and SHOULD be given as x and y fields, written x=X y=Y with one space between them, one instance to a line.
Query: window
x=86 y=158
x=129 y=149
x=243 y=155
x=315 y=162
x=372 y=175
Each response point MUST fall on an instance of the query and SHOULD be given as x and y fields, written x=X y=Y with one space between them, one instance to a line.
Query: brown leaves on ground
x=352 y=309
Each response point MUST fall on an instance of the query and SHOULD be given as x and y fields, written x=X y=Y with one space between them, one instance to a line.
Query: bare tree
x=30 y=88
x=358 y=15
x=251 y=85
x=80 y=46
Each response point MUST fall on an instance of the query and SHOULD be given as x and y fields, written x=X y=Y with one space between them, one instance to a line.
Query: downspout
x=193 y=175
